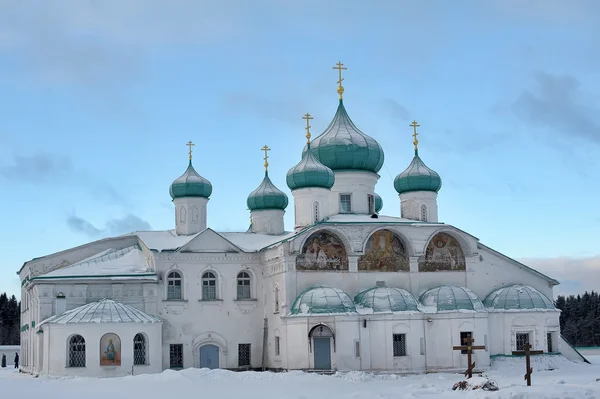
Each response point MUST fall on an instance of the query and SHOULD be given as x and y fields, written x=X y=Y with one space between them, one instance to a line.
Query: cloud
x=576 y=275
x=396 y=109
x=558 y=103
x=113 y=227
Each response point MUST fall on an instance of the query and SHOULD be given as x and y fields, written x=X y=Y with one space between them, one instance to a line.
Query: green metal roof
x=451 y=298
x=417 y=177
x=190 y=184
x=342 y=146
x=386 y=299
x=378 y=203
x=517 y=297
x=310 y=173
x=321 y=299
x=267 y=196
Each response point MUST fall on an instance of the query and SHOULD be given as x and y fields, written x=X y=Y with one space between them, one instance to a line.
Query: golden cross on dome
x=265 y=149
x=415 y=125
x=190 y=144
x=340 y=67
x=307 y=117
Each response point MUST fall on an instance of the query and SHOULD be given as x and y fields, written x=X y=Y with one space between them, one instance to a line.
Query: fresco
x=384 y=253
x=322 y=251
x=110 y=350
x=443 y=253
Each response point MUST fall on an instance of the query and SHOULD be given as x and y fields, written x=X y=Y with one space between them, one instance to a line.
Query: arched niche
x=384 y=252
x=443 y=253
x=322 y=251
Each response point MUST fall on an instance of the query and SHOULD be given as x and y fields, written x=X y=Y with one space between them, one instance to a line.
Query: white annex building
x=345 y=289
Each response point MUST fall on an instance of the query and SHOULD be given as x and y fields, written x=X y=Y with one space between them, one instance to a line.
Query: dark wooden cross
x=469 y=347
x=527 y=352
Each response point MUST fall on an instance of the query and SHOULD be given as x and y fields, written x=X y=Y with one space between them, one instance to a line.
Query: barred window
x=522 y=339
x=277 y=347
x=76 y=351
x=356 y=348
x=139 y=349
x=243 y=355
x=423 y=213
x=316 y=211
x=209 y=286
x=345 y=203
x=399 y=344
x=176 y=356
x=174 y=286
x=276 y=299
x=243 y=285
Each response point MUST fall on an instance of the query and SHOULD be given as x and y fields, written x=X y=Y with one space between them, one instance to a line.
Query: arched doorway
x=209 y=356
x=322 y=338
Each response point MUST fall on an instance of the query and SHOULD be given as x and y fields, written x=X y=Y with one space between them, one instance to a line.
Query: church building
x=345 y=288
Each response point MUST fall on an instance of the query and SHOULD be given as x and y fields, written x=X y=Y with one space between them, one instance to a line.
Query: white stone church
x=345 y=289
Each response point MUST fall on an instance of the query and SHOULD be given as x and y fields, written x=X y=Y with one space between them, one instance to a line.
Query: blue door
x=209 y=357
x=322 y=350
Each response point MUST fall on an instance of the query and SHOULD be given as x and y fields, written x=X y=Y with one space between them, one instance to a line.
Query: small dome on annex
x=449 y=298
x=517 y=298
x=417 y=177
x=322 y=299
x=385 y=300
x=267 y=196
x=378 y=203
x=190 y=184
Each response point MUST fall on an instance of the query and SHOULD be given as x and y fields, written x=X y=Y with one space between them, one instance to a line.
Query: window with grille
x=243 y=355
x=277 y=347
x=139 y=349
x=176 y=356
x=345 y=203
x=209 y=286
x=371 y=201
x=423 y=213
x=463 y=339
x=316 y=210
x=243 y=285
x=549 y=339
x=76 y=351
x=522 y=339
x=399 y=342
x=174 y=286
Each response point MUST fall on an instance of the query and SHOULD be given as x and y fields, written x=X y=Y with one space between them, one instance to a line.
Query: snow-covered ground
x=566 y=380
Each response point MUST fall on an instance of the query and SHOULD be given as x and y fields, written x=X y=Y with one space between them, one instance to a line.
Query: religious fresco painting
x=384 y=252
x=110 y=350
x=443 y=253
x=322 y=251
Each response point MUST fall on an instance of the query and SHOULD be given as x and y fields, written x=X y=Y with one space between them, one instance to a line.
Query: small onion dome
x=517 y=297
x=310 y=173
x=321 y=299
x=190 y=184
x=378 y=203
x=342 y=146
x=417 y=177
x=267 y=196
x=386 y=299
x=451 y=298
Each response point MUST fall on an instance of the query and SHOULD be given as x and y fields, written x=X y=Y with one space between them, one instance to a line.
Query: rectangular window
x=276 y=300
x=356 y=348
x=243 y=289
x=549 y=339
x=522 y=339
x=345 y=203
x=176 y=356
x=399 y=344
x=277 y=347
x=243 y=355
x=463 y=337
x=371 y=201
x=209 y=290
x=316 y=211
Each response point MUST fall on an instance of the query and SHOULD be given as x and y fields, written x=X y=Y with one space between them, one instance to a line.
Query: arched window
x=423 y=213
x=243 y=285
x=139 y=349
x=209 y=286
x=76 y=351
x=276 y=299
x=174 y=286
x=316 y=211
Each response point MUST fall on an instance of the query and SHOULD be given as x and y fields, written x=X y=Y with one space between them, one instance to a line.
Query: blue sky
x=99 y=98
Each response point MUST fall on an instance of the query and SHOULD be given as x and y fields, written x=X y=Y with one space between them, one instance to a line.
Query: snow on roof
x=385 y=299
x=166 y=240
x=251 y=242
x=103 y=311
x=448 y=298
x=322 y=299
x=517 y=298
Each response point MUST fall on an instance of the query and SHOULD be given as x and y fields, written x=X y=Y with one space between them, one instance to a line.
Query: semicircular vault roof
x=104 y=311
x=517 y=297
x=449 y=298
x=322 y=299
x=386 y=299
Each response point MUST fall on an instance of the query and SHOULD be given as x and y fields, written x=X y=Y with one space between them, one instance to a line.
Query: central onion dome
x=342 y=146
x=267 y=196
x=190 y=184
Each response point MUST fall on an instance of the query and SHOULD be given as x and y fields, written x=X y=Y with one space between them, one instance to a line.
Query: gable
x=209 y=241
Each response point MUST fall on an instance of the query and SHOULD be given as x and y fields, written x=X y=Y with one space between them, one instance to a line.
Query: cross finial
x=265 y=149
x=415 y=125
x=340 y=67
x=307 y=117
x=190 y=144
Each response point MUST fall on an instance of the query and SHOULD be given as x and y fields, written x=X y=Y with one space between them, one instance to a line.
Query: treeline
x=580 y=318
x=10 y=320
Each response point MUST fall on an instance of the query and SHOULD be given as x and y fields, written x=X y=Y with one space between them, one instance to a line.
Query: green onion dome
x=417 y=177
x=517 y=297
x=378 y=203
x=267 y=196
x=310 y=173
x=344 y=147
x=190 y=184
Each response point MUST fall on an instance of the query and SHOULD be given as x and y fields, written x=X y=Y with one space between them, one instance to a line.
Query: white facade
x=419 y=205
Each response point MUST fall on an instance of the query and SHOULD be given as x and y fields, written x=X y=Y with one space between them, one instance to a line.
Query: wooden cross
x=527 y=352
x=467 y=345
x=415 y=125
x=265 y=149
x=308 y=118
x=190 y=144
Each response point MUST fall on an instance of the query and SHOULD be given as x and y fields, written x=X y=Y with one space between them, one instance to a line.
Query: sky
x=99 y=99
